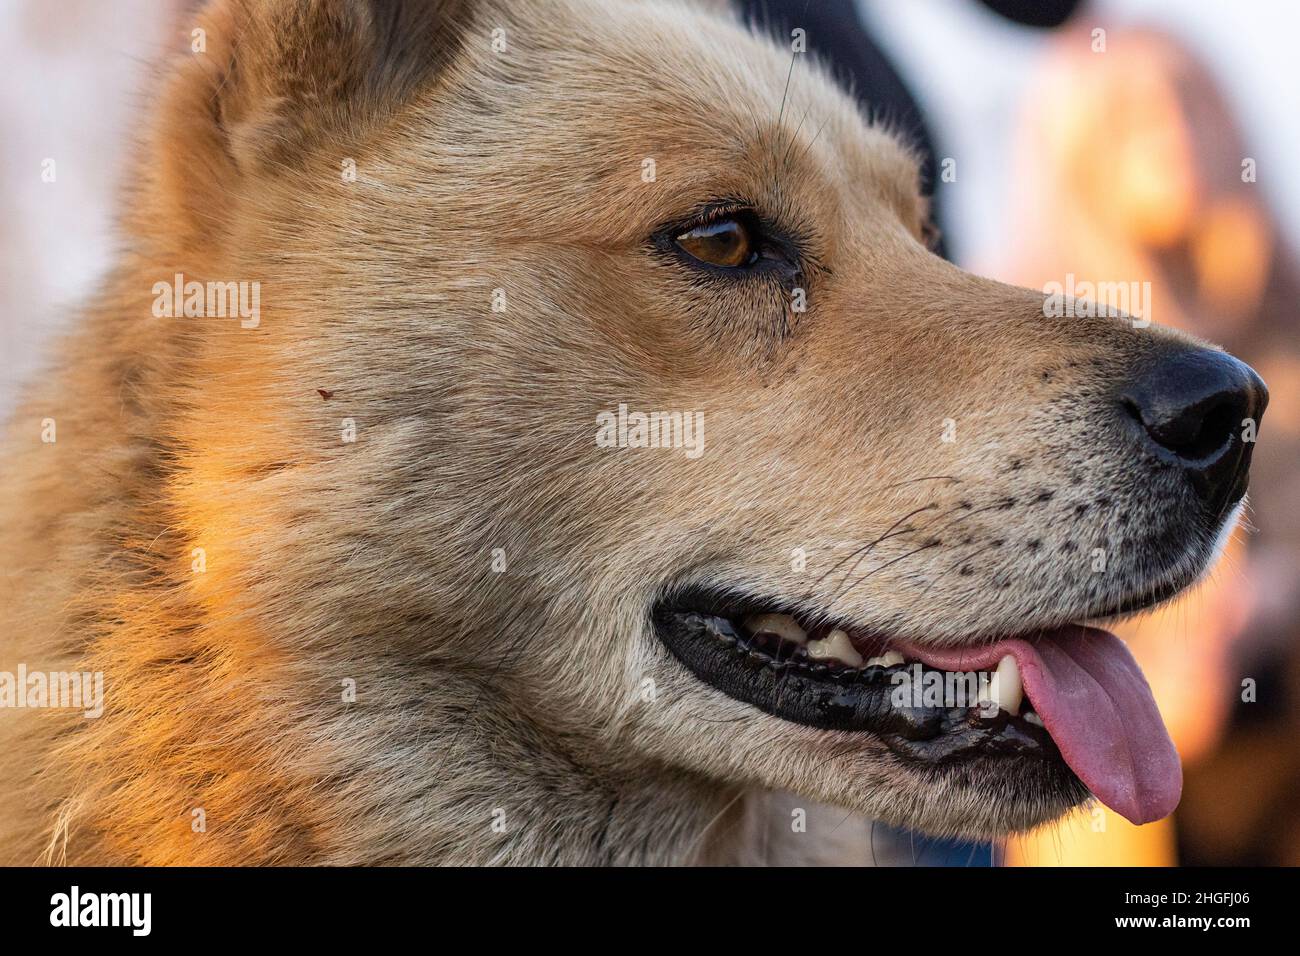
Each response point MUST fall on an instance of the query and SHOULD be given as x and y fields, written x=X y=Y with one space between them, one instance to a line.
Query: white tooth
x=782 y=625
x=835 y=645
x=1012 y=693
x=1032 y=717
x=888 y=659
x=1005 y=687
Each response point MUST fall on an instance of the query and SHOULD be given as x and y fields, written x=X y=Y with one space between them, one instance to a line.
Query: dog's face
x=641 y=204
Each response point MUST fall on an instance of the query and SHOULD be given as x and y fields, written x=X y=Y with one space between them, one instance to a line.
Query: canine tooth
x=835 y=645
x=782 y=625
x=1032 y=717
x=1005 y=687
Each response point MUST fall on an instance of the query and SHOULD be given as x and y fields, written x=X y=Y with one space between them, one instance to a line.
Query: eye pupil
x=726 y=243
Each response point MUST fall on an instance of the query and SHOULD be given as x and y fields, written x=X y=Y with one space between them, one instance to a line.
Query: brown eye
x=725 y=243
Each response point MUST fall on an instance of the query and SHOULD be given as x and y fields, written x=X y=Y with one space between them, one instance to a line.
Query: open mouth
x=1068 y=706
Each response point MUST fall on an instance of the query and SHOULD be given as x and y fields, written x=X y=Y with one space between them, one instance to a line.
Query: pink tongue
x=1098 y=708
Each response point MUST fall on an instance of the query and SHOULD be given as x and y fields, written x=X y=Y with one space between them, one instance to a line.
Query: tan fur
x=326 y=560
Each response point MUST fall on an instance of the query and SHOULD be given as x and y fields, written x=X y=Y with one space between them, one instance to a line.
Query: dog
x=538 y=433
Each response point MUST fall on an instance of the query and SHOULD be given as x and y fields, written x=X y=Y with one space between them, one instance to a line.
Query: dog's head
x=516 y=247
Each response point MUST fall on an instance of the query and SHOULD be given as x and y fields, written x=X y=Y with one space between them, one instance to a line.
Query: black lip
x=829 y=698
x=696 y=625
x=1141 y=601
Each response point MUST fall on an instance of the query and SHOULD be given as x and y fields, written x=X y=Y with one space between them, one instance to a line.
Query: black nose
x=1200 y=409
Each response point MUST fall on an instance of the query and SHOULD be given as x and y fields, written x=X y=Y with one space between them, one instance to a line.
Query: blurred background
x=1166 y=156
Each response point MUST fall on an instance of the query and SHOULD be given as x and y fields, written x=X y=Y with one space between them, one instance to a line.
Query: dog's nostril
x=1199 y=429
x=1216 y=427
x=1192 y=405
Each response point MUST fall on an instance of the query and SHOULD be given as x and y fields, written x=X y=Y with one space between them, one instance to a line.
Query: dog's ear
x=274 y=75
x=263 y=82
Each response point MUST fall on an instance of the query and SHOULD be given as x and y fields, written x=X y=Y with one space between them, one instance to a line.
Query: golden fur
x=522 y=691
